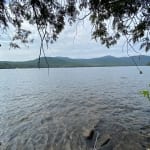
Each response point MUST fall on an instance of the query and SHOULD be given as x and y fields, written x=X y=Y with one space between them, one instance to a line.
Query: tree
x=128 y=18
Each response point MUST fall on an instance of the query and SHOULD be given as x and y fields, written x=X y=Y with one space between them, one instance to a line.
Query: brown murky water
x=50 y=112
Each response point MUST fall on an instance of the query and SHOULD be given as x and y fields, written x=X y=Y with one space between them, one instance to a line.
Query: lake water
x=41 y=110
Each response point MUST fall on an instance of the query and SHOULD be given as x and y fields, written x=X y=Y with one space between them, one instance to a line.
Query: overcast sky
x=75 y=42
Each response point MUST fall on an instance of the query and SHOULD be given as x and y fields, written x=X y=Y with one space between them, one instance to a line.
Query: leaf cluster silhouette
x=110 y=19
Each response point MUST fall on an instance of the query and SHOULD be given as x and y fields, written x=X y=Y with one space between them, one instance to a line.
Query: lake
x=41 y=109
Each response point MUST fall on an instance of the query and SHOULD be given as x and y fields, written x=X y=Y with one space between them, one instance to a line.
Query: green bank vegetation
x=146 y=93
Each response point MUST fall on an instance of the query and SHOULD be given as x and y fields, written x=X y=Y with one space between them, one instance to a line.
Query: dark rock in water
x=90 y=136
x=105 y=139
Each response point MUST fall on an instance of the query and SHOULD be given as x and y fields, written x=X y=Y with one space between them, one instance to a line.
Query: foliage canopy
x=129 y=18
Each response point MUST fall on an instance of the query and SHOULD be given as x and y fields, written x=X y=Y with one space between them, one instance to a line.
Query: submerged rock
x=88 y=133
x=105 y=139
x=113 y=136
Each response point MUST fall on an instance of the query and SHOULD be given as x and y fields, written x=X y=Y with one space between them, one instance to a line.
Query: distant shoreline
x=73 y=67
x=64 y=62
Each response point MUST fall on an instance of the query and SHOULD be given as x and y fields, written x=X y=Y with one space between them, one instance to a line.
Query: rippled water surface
x=50 y=111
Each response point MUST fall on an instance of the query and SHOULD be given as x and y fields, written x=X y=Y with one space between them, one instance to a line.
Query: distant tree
x=128 y=18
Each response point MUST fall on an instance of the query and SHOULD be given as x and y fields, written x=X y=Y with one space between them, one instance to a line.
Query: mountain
x=148 y=64
x=57 y=62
